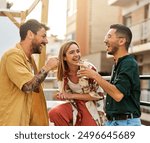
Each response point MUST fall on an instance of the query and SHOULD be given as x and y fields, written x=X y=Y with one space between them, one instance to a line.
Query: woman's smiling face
x=73 y=55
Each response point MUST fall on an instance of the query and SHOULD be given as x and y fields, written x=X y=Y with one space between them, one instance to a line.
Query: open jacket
x=91 y=87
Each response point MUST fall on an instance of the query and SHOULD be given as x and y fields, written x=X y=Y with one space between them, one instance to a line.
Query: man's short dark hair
x=124 y=31
x=32 y=25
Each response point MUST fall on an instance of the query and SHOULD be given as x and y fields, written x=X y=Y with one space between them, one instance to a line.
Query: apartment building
x=87 y=23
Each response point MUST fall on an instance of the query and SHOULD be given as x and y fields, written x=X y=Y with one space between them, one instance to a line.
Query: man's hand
x=90 y=73
x=51 y=64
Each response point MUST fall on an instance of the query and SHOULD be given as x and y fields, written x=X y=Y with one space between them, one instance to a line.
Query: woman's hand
x=64 y=96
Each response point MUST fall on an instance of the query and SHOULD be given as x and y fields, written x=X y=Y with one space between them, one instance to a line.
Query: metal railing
x=142 y=77
x=145 y=105
x=142 y=31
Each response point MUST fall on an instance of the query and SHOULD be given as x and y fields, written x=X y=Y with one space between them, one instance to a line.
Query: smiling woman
x=83 y=97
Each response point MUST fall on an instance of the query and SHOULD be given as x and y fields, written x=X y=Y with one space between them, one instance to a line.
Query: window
x=127 y=20
x=71 y=7
x=146 y=11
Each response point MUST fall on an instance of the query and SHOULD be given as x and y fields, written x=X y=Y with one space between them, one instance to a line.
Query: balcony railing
x=141 y=32
x=145 y=104
x=120 y=2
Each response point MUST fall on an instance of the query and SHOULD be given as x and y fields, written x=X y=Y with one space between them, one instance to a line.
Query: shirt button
x=107 y=103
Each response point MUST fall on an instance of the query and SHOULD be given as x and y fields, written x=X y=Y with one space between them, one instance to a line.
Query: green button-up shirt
x=125 y=76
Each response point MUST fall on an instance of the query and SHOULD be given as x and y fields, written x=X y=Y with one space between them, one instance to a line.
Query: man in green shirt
x=123 y=91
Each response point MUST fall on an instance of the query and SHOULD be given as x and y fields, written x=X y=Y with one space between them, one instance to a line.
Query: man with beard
x=22 y=102
x=123 y=91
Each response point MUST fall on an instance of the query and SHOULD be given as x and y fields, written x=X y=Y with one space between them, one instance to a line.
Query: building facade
x=87 y=23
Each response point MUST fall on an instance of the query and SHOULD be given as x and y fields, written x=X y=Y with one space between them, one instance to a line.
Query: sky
x=9 y=34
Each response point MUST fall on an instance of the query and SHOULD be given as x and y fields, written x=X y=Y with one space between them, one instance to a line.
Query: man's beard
x=36 y=50
x=113 y=51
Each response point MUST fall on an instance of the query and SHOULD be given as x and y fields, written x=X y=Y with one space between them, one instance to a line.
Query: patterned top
x=88 y=86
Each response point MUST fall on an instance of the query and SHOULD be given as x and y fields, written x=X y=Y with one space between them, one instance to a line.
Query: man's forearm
x=109 y=88
x=34 y=84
